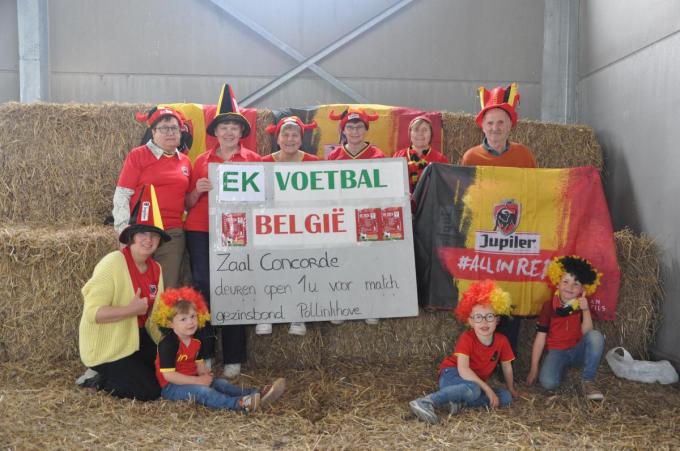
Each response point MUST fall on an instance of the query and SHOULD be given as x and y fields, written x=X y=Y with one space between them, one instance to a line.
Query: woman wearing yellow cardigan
x=113 y=340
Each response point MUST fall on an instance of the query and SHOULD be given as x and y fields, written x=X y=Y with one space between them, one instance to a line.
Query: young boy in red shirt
x=180 y=368
x=566 y=326
x=464 y=374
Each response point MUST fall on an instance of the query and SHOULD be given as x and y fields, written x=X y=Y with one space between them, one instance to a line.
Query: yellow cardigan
x=110 y=285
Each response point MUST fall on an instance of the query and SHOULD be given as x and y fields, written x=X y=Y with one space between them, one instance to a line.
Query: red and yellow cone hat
x=145 y=217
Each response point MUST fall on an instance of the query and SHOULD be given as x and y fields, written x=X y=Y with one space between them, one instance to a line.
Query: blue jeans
x=220 y=395
x=585 y=354
x=453 y=388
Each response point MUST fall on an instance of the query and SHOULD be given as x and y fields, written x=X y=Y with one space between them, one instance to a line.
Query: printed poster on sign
x=317 y=241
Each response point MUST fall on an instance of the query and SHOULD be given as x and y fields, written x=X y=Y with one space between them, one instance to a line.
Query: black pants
x=509 y=326
x=233 y=337
x=133 y=376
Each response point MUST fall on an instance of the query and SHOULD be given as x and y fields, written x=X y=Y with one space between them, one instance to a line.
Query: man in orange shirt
x=497 y=118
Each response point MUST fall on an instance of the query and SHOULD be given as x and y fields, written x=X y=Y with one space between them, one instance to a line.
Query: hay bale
x=638 y=310
x=265 y=141
x=41 y=274
x=43 y=270
x=59 y=162
x=554 y=145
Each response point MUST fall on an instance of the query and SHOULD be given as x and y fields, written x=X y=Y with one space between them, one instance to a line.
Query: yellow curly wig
x=578 y=267
x=165 y=311
x=484 y=292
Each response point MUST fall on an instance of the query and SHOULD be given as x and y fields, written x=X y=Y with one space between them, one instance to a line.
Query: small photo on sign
x=234 y=229
x=369 y=227
x=392 y=223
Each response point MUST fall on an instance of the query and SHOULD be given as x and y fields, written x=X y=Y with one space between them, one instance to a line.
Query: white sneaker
x=232 y=370
x=337 y=322
x=87 y=376
x=263 y=329
x=372 y=321
x=297 y=329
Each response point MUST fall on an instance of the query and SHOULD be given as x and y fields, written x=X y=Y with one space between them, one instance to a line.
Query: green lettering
x=347 y=179
x=331 y=179
x=281 y=182
x=364 y=179
x=227 y=180
x=249 y=180
x=316 y=180
x=300 y=181
x=376 y=179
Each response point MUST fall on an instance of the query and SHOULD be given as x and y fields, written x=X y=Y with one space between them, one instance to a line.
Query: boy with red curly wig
x=180 y=366
x=566 y=327
x=464 y=374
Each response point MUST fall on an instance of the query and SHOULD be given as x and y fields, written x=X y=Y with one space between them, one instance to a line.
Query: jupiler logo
x=506 y=216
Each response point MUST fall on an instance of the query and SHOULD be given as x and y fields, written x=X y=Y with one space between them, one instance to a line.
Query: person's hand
x=493 y=398
x=518 y=394
x=139 y=305
x=204 y=379
x=203 y=185
x=583 y=302
x=532 y=376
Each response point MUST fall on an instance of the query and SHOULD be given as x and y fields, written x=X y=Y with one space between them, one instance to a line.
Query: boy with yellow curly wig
x=180 y=366
x=566 y=326
x=464 y=374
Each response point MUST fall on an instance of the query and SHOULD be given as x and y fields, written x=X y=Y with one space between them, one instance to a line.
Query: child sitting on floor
x=566 y=326
x=180 y=368
x=463 y=375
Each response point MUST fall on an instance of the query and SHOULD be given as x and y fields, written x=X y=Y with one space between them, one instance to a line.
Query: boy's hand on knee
x=493 y=399
x=205 y=379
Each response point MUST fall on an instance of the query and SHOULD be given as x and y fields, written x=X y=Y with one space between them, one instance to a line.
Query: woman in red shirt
x=228 y=126
x=158 y=163
x=288 y=132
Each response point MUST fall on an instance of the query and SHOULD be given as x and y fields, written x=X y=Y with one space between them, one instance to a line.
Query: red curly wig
x=483 y=292
x=165 y=311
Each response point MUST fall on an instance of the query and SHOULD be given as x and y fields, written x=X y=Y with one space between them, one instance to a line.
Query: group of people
x=143 y=336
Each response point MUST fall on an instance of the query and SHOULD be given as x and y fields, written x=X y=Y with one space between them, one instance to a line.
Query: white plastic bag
x=626 y=367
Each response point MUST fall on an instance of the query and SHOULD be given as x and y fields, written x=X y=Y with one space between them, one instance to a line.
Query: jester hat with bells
x=485 y=293
x=351 y=114
x=145 y=217
x=506 y=99
x=164 y=310
x=275 y=129
x=228 y=110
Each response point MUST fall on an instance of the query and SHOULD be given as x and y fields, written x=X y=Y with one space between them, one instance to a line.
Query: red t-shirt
x=483 y=359
x=197 y=219
x=174 y=355
x=564 y=332
x=169 y=175
x=340 y=153
x=517 y=156
x=306 y=157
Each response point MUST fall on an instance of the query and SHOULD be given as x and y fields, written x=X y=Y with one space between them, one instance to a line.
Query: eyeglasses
x=167 y=130
x=478 y=317
x=355 y=128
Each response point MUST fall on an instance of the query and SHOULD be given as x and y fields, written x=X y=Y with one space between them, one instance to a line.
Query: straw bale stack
x=43 y=270
x=60 y=162
x=553 y=145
